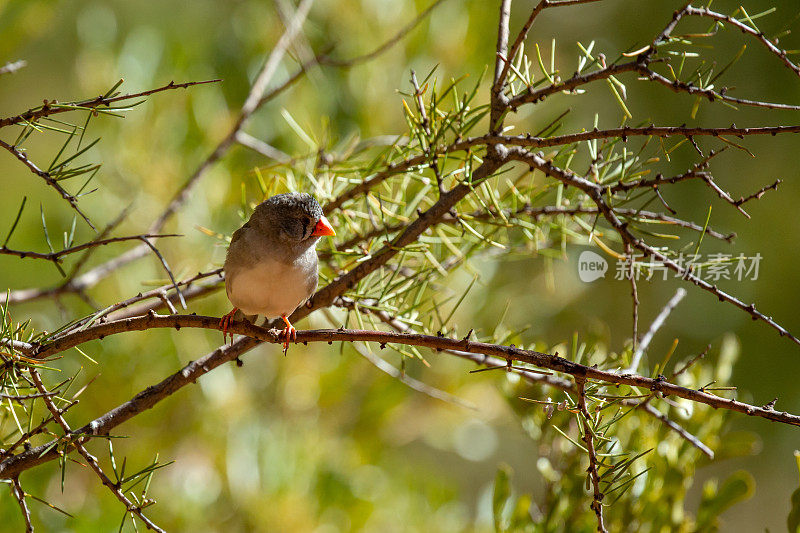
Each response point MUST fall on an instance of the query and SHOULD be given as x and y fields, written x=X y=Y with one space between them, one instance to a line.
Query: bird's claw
x=224 y=323
x=289 y=333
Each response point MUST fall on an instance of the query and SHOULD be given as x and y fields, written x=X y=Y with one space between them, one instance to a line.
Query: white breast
x=270 y=288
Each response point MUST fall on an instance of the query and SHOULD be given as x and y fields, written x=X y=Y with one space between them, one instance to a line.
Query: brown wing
x=311 y=283
x=236 y=247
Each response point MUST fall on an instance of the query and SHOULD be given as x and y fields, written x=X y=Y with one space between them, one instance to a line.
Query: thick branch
x=539 y=359
x=190 y=373
x=627 y=132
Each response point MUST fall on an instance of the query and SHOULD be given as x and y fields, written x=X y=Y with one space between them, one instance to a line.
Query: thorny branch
x=72 y=200
x=646 y=131
x=56 y=257
x=54 y=108
x=78 y=444
x=585 y=418
x=189 y=374
x=127 y=309
x=528 y=374
x=744 y=28
x=19 y=495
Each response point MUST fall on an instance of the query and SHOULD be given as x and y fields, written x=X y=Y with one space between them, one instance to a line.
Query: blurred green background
x=321 y=440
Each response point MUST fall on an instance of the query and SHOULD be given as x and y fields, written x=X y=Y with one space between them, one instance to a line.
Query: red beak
x=323 y=228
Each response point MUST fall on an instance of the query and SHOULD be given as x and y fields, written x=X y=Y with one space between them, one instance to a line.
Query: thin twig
x=56 y=256
x=19 y=495
x=414 y=384
x=194 y=290
x=369 y=182
x=52 y=182
x=634 y=298
x=21 y=397
x=386 y=45
x=167 y=269
x=689 y=363
x=106 y=231
x=759 y=36
x=126 y=308
x=671 y=424
x=654 y=327
x=759 y=193
x=267 y=150
x=710 y=94
x=560 y=3
x=500 y=80
x=646 y=131
x=537 y=95
x=53 y=108
x=40 y=428
x=426 y=127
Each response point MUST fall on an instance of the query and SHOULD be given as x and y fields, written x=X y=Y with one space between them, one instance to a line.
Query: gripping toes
x=289 y=333
x=225 y=323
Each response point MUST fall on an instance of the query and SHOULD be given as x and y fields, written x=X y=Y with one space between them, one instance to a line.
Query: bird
x=271 y=264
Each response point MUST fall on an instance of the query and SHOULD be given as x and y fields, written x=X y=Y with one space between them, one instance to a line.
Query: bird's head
x=294 y=217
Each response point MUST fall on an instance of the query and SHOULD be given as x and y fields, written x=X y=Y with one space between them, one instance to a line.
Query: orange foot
x=289 y=333
x=225 y=323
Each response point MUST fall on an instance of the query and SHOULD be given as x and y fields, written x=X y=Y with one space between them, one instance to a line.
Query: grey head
x=292 y=219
